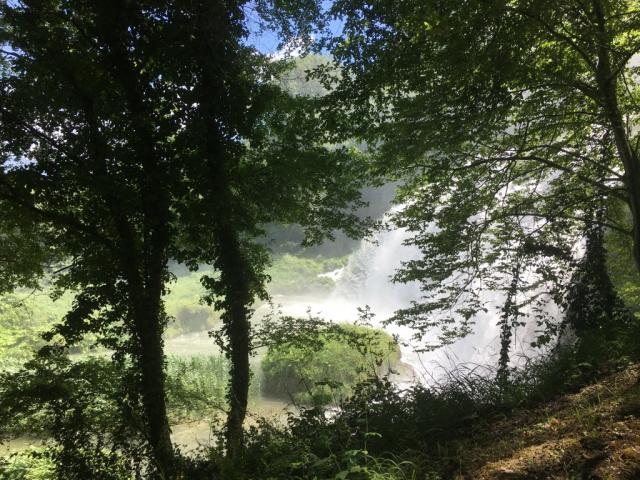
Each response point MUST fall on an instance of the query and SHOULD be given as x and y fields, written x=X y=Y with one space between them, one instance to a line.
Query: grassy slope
x=593 y=434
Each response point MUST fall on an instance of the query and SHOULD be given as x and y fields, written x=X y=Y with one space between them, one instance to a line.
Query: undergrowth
x=384 y=432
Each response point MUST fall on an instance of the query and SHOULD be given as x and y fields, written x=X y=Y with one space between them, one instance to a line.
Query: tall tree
x=85 y=113
x=139 y=131
x=514 y=116
x=255 y=155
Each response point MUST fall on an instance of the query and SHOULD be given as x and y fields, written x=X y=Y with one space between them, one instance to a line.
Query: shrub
x=27 y=465
x=84 y=409
x=330 y=370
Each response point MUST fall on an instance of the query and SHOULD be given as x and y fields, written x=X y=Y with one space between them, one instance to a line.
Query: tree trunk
x=629 y=160
x=235 y=276
x=145 y=309
x=220 y=65
x=151 y=364
x=606 y=79
x=145 y=280
x=146 y=266
x=510 y=313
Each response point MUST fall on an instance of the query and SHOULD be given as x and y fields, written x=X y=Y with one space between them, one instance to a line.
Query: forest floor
x=591 y=434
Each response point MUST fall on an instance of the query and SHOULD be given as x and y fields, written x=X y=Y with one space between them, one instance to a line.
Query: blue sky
x=267 y=42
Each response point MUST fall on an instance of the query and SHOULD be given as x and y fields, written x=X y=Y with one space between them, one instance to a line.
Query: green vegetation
x=472 y=422
x=620 y=261
x=26 y=314
x=196 y=389
x=19 y=335
x=197 y=386
x=297 y=275
x=32 y=464
x=507 y=153
x=142 y=140
x=155 y=150
x=184 y=304
x=328 y=371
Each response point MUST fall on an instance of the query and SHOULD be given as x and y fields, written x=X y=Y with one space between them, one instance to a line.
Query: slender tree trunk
x=237 y=276
x=236 y=281
x=217 y=30
x=145 y=287
x=606 y=79
x=151 y=364
x=510 y=313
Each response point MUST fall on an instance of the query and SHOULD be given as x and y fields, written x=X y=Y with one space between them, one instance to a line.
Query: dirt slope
x=593 y=434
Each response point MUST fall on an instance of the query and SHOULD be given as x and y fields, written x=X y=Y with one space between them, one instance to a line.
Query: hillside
x=591 y=434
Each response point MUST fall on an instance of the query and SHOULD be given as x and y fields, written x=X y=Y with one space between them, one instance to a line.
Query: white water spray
x=367 y=281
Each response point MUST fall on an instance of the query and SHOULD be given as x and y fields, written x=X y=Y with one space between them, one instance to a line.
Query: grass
x=196 y=386
x=594 y=433
x=293 y=275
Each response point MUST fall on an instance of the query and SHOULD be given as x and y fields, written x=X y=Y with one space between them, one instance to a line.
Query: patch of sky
x=266 y=40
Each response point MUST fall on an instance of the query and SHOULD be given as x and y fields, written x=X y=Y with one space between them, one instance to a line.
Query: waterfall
x=367 y=281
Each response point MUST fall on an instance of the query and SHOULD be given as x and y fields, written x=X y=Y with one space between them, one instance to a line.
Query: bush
x=27 y=465
x=86 y=410
x=321 y=375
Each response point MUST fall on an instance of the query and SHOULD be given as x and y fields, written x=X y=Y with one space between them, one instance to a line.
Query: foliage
x=308 y=448
x=20 y=237
x=196 y=386
x=383 y=432
x=79 y=406
x=29 y=465
x=416 y=431
x=183 y=303
x=139 y=132
x=156 y=131
x=620 y=262
x=298 y=80
x=593 y=307
x=84 y=408
x=85 y=155
x=505 y=121
x=323 y=373
x=19 y=335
